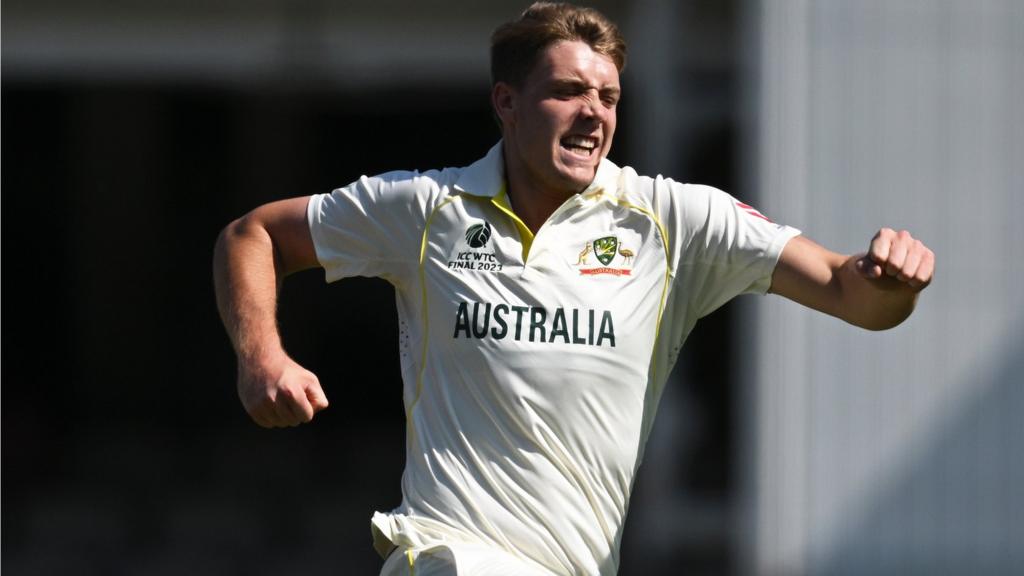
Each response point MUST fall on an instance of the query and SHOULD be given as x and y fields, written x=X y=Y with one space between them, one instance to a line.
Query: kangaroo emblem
x=583 y=255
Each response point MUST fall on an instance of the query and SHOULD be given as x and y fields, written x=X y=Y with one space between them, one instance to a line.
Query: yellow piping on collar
x=525 y=234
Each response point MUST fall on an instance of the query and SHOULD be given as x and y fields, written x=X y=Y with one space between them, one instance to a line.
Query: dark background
x=125 y=449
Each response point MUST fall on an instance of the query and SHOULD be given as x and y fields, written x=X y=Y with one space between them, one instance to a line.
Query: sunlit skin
x=557 y=127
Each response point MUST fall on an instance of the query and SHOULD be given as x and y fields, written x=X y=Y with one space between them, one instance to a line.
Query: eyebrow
x=575 y=83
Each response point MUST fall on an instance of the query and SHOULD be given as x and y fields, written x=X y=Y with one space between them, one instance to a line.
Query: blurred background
x=788 y=443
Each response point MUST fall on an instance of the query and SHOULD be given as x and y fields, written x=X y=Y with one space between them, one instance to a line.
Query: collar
x=486 y=176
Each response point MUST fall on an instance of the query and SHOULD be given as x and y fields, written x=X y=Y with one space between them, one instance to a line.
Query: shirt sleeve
x=729 y=248
x=372 y=227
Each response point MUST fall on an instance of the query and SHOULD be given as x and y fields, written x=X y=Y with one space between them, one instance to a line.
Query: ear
x=504 y=99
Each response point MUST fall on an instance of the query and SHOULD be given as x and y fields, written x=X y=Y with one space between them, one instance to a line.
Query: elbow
x=220 y=246
x=233 y=237
x=222 y=239
x=238 y=229
x=225 y=238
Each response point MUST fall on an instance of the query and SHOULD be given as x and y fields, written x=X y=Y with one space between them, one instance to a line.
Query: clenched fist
x=279 y=392
x=900 y=258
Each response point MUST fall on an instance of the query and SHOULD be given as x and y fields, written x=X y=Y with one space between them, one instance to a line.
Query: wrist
x=261 y=356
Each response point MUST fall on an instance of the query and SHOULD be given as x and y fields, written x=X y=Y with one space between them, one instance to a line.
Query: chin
x=579 y=178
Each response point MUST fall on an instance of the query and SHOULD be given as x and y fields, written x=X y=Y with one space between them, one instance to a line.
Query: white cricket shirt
x=533 y=366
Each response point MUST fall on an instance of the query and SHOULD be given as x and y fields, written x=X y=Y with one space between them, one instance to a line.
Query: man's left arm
x=876 y=290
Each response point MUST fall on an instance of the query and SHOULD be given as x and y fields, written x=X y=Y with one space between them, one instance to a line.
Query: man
x=544 y=294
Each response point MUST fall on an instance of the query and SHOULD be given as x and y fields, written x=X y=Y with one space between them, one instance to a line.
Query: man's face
x=559 y=124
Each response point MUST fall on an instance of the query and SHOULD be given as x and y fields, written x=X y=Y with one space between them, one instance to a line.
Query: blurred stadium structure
x=900 y=452
x=791 y=443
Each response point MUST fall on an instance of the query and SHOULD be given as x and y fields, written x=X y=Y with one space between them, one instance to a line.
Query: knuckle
x=285 y=393
x=266 y=398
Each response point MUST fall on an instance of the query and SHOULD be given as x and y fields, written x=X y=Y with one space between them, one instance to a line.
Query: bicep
x=286 y=224
x=809 y=274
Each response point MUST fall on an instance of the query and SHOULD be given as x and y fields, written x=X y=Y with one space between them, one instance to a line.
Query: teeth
x=580 y=142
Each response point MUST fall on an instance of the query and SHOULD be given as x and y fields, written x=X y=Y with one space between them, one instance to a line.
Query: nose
x=593 y=108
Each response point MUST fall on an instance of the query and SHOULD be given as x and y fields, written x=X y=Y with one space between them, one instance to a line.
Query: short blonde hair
x=516 y=46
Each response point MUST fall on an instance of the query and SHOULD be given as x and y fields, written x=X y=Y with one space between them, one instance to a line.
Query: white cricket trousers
x=440 y=561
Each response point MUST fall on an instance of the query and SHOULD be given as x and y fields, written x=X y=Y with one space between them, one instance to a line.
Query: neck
x=533 y=209
x=532 y=201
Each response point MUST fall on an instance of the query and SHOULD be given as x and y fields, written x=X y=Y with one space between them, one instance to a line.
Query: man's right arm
x=252 y=256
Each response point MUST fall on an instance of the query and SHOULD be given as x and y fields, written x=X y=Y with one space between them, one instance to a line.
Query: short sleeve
x=730 y=248
x=372 y=227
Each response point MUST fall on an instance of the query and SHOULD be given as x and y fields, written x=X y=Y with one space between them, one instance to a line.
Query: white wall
x=903 y=451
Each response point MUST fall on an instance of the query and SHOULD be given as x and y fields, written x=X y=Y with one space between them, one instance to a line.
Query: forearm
x=251 y=257
x=876 y=291
x=246 y=278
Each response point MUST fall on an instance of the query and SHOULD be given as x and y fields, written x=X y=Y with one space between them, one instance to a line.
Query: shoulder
x=400 y=190
x=664 y=193
x=408 y=182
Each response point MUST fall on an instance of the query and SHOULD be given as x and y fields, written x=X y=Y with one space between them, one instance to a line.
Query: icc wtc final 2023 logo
x=605 y=250
x=477 y=235
x=477 y=257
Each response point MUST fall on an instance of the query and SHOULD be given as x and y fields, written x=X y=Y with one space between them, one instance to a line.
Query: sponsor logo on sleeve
x=752 y=211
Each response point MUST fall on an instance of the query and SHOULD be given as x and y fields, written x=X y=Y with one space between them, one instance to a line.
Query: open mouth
x=579 y=145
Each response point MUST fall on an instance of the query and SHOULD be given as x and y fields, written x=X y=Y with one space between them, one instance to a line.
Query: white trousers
x=405 y=562
x=440 y=561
